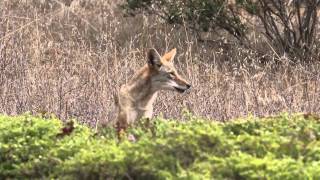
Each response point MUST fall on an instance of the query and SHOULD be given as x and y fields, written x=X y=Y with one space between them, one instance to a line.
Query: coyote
x=135 y=99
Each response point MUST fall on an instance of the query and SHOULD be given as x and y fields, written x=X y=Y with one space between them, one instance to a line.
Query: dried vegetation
x=69 y=57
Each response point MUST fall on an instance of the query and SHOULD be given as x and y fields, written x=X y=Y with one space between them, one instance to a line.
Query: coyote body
x=135 y=99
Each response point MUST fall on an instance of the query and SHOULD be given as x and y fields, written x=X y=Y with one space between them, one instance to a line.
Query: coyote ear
x=170 y=55
x=154 y=59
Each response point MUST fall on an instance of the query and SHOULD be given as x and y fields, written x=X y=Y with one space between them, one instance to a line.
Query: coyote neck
x=142 y=95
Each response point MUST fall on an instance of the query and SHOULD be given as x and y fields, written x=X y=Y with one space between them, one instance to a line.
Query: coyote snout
x=135 y=99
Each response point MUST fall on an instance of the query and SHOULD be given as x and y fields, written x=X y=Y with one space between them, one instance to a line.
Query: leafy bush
x=281 y=147
x=290 y=26
x=199 y=15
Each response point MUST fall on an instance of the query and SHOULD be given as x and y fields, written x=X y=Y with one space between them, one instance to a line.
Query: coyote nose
x=188 y=86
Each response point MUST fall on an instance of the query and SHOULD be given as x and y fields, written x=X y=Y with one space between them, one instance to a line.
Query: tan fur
x=135 y=99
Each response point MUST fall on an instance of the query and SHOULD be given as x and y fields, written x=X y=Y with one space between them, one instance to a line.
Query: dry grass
x=69 y=60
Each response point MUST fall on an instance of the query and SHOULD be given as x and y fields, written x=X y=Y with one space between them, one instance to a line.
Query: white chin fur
x=172 y=85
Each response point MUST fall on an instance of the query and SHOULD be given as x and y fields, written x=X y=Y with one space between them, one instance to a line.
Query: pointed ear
x=154 y=59
x=170 y=55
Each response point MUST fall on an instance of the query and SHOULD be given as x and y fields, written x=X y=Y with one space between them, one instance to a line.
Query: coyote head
x=164 y=75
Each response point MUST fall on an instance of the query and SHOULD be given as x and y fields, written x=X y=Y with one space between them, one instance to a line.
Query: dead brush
x=69 y=60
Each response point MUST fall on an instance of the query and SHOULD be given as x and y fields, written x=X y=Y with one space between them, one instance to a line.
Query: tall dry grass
x=69 y=57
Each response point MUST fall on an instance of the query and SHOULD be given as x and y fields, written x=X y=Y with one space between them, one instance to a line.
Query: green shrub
x=281 y=147
x=199 y=15
x=290 y=26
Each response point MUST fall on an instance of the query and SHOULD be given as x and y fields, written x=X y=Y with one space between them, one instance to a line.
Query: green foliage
x=281 y=147
x=290 y=26
x=199 y=15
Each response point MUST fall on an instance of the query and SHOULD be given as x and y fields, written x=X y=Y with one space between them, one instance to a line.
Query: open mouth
x=180 y=90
